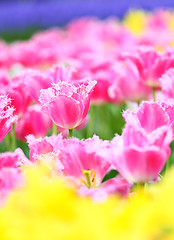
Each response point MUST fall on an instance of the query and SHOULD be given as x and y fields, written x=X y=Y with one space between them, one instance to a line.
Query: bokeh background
x=19 y=19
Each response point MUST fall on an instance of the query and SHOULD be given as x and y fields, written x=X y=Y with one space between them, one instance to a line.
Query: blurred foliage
x=171 y=158
x=105 y=121
x=19 y=144
x=170 y=161
x=11 y=36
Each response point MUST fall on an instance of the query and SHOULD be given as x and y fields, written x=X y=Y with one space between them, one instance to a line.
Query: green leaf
x=113 y=173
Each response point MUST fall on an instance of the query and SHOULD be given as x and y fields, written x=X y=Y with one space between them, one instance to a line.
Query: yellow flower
x=48 y=208
x=135 y=21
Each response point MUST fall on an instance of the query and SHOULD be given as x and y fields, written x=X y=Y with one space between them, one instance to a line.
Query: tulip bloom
x=33 y=121
x=117 y=185
x=77 y=156
x=150 y=64
x=6 y=116
x=167 y=84
x=143 y=149
x=151 y=116
x=128 y=85
x=79 y=162
x=140 y=157
x=66 y=104
x=10 y=171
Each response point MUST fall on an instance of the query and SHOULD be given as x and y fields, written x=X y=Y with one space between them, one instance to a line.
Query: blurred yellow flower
x=135 y=21
x=48 y=208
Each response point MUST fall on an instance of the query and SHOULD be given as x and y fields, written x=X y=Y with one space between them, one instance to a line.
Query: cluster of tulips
x=58 y=92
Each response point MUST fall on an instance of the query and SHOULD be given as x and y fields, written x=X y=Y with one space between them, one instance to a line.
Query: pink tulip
x=79 y=162
x=10 y=171
x=140 y=157
x=6 y=115
x=10 y=178
x=127 y=85
x=14 y=160
x=35 y=52
x=167 y=83
x=84 y=167
x=157 y=24
x=5 y=58
x=168 y=107
x=151 y=65
x=38 y=146
x=4 y=77
x=117 y=185
x=78 y=155
x=66 y=104
x=143 y=149
x=34 y=81
x=158 y=19
x=64 y=132
x=33 y=121
x=75 y=155
x=83 y=123
x=101 y=69
x=44 y=145
x=60 y=73
x=16 y=90
x=151 y=116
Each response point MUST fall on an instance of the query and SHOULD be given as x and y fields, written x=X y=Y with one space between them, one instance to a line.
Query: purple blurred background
x=17 y=16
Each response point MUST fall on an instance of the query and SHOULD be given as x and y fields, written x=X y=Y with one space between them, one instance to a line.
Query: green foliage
x=105 y=121
x=12 y=36
x=113 y=173
x=6 y=146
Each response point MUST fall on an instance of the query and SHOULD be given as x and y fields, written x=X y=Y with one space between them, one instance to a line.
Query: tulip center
x=50 y=162
x=89 y=179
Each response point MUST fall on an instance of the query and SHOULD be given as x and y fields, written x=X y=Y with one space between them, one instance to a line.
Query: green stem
x=70 y=133
x=140 y=185
x=103 y=114
x=160 y=176
x=13 y=139
x=7 y=142
x=91 y=124
x=154 y=94
x=167 y=165
x=138 y=102
x=54 y=129
x=146 y=185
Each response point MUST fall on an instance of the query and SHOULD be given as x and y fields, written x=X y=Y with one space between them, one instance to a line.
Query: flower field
x=87 y=129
